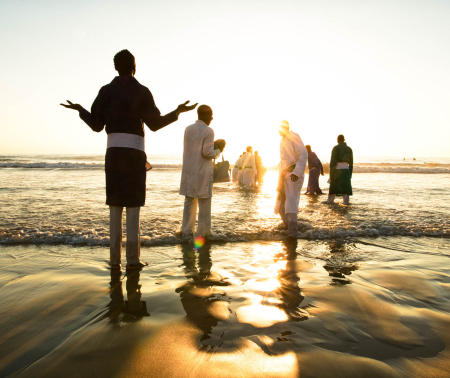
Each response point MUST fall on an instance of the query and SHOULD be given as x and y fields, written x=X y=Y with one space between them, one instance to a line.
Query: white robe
x=197 y=173
x=236 y=170
x=292 y=151
x=248 y=172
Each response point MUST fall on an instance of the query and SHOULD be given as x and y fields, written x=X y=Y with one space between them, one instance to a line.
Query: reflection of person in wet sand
x=129 y=310
x=198 y=297
x=337 y=266
x=290 y=292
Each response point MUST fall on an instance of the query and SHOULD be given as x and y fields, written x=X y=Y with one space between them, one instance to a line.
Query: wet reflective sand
x=306 y=308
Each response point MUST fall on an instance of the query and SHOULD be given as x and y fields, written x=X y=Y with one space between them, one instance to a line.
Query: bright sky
x=377 y=71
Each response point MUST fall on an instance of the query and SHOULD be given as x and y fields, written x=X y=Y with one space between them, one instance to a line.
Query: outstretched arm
x=95 y=119
x=152 y=116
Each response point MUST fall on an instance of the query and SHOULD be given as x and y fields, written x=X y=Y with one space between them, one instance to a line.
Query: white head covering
x=284 y=127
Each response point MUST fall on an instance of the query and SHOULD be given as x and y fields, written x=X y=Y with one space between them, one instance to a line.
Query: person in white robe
x=293 y=158
x=197 y=173
x=236 y=169
x=248 y=172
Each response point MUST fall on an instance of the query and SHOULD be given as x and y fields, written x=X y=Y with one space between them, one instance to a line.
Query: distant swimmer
x=293 y=158
x=248 y=173
x=341 y=169
x=124 y=105
x=315 y=170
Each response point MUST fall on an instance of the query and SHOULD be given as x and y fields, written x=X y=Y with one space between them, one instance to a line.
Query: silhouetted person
x=123 y=106
x=197 y=173
x=315 y=170
x=341 y=169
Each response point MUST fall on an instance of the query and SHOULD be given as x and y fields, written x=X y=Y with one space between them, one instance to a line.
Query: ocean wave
x=305 y=232
x=426 y=168
x=74 y=166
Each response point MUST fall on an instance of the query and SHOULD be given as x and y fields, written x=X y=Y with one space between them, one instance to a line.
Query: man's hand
x=294 y=178
x=185 y=107
x=219 y=144
x=71 y=105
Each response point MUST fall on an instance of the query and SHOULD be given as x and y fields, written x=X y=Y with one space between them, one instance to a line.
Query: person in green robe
x=341 y=169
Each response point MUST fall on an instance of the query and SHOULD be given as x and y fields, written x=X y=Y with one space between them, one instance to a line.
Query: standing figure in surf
x=341 y=169
x=124 y=105
x=199 y=149
x=248 y=172
x=293 y=157
x=315 y=170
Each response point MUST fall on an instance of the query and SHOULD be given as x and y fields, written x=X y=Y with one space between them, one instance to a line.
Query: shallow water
x=316 y=308
x=55 y=204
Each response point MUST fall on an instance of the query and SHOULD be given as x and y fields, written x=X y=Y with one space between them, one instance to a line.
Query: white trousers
x=292 y=192
x=289 y=211
x=133 y=246
x=190 y=215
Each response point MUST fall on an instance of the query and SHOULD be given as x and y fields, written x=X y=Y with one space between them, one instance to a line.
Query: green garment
x=340 y=179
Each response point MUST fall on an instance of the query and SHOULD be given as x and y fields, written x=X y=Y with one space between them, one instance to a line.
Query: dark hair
x=340 y=138
x=308 y=147
x=124 y=63
x=203 y=110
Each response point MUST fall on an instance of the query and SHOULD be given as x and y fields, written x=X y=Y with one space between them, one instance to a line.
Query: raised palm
x=71 y=105
x=185 y=107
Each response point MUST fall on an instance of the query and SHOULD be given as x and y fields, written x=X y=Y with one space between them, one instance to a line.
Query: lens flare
x=199 y=242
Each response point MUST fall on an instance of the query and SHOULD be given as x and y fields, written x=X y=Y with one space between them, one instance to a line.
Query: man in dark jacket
x=341 y=169
x=123 y=106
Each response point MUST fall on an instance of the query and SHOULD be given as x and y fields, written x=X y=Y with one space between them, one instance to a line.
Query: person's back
x=122 y=107
x=248 y=175
x=341 y=169
x=197 y=172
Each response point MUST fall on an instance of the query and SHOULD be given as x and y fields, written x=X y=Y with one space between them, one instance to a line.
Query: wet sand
x=309 y=309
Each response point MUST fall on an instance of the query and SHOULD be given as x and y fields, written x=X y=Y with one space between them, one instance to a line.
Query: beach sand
x=309 y=309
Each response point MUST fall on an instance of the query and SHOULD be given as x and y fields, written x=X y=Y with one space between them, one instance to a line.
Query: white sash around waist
x=126 y=140
x=342 y=165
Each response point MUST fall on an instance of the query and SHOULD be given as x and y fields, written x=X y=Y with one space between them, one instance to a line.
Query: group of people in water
x=248 y=170
x=124 y=105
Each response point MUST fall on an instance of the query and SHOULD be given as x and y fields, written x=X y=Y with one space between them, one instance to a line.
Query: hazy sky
x=377 y=71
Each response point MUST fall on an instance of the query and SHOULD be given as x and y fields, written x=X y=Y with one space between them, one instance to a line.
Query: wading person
x=341 y=169
x=248 y=172
x=197 y=173
x=293 y=157
x=315 y=170
x=123 y=106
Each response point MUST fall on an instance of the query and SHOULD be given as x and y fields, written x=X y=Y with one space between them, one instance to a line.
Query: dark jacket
x=123 y=106
x=342 y=153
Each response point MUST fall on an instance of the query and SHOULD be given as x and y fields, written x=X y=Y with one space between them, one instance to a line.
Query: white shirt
x=197 y=173
x=293 y=151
